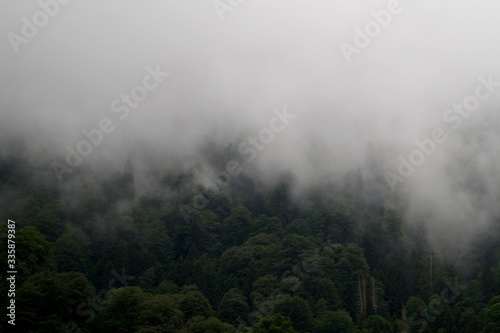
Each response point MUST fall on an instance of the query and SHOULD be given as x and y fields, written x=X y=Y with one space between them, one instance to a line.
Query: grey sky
x=227 y=76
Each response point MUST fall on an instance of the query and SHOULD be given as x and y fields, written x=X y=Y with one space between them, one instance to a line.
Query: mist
x=228 y=77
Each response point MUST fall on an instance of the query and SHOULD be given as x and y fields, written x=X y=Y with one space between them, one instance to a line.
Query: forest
x=237 y=257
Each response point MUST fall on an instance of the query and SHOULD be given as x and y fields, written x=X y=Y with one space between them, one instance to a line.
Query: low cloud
x=226 y=77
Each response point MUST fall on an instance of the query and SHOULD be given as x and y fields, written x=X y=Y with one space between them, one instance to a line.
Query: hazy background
x=227 y=76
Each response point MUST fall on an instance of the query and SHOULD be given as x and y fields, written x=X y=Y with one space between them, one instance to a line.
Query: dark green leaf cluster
x=237 y=257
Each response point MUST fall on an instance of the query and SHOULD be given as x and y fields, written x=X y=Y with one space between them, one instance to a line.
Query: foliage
x=238 y=257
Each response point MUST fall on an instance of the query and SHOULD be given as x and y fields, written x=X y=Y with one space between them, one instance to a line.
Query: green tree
x=193 y=303
x=393 y=222
x=376 y=324
x=347 y=266
x=50 y=221
x=152 y=277
x=492 y=312
x=200 y=324
x=46 y=302
x=335 y=322
x=417 y=315
x=269 y=225
x=294 y=245
x=487 y=281
x=233 y=306
x=157 y=242
x=121 y=313
x=276 y=323
x=69 y=255
x=33 y=253
x=299 y=227
x=469 y=321
x=265 y=285
x=159 y=314
x=298 y=310
x=237 y=226
x=325 y=289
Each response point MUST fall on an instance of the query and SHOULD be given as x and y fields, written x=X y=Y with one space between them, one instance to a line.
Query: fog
x=225 y=78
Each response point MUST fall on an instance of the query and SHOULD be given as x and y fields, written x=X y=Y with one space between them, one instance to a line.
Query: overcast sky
x=226 y=77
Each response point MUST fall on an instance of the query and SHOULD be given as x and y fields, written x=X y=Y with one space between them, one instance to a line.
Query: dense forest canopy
x=235 y=257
